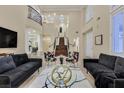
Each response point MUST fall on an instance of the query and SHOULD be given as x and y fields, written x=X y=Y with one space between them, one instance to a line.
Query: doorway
x=32 y=41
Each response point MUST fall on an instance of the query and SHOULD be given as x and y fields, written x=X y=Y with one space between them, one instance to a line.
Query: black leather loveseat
x=15 y=69
x=108 y=71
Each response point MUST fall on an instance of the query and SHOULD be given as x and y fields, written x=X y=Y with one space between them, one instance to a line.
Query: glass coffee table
x=62 y=77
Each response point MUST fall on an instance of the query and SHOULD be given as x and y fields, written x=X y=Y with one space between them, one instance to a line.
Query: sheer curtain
x=118 y=32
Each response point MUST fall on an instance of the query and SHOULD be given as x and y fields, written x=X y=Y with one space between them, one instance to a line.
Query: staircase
x=61 y=49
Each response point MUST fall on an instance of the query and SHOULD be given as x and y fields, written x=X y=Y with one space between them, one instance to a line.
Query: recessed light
x=29 y=32
x=54 y=14
x=34 y=31
x=61 y=15
x=49 y=15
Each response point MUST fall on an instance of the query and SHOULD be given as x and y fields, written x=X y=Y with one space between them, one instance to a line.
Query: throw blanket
x=105 y=79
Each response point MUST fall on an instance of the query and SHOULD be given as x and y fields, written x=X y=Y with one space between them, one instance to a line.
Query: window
x=34 y=15
x=118 y=31
x=36 y=7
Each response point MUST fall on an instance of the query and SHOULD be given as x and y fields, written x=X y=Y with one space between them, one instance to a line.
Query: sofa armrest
x=91 y=60
x=35 y=59
x=5 y=82
x=119 y=83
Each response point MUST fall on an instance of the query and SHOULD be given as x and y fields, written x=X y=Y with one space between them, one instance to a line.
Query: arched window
x=34 y=15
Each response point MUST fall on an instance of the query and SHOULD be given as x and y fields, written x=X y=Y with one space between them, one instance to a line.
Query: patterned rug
x=60 y=77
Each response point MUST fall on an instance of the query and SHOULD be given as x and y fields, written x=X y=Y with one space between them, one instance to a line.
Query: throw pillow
x=6 y=64
x=107 y=60
x=20 y=59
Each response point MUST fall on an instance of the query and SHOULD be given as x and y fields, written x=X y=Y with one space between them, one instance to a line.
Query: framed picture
x=99 y=40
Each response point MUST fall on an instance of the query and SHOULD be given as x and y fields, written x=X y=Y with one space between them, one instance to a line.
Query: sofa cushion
x=107 y=60
x=6 y=63
x=20 y=59
x=15 y=76
x=96 y=69
x=21 y=73
x=28 y=66
x=119 y=67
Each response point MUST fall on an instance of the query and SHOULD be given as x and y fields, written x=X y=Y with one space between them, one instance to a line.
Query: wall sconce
x=98 y=23
x=98 y=18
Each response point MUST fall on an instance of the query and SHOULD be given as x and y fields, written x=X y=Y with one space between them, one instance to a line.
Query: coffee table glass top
x=62 y=76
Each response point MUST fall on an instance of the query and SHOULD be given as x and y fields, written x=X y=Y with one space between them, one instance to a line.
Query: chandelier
x=53 y=18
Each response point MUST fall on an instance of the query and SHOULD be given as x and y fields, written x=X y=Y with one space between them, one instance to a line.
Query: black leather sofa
x=15 y=69
x=108 y=71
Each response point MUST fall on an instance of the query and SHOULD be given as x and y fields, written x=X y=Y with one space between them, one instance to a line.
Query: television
x=8 y=38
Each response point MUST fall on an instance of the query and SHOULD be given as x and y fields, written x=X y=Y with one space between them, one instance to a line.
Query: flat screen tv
x=8 y=38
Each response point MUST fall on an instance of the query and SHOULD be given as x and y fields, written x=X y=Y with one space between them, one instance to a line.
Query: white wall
x=104 y=28
x=99 y=27
x=14 y=18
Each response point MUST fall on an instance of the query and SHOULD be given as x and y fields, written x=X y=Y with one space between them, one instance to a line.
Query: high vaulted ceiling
x=71 y=13
x=61 y=8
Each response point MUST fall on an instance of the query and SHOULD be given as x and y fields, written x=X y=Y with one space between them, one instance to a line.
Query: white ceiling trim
x=61 y=8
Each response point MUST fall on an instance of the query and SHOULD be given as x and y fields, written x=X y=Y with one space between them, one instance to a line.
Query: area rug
x=51 y=77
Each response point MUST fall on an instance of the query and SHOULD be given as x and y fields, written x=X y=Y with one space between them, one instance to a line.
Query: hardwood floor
x=61 y=49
